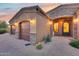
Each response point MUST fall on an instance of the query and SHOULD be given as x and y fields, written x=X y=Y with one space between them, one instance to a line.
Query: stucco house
x=65 y=20
x=32 y=23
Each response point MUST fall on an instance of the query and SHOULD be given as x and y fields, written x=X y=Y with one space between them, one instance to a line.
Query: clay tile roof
x=63 y=10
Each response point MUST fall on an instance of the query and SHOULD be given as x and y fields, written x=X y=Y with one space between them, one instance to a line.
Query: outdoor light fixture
x=32 y=21
x=16 y=24
x=75 y=20
x=60 y=22
x=50 y=22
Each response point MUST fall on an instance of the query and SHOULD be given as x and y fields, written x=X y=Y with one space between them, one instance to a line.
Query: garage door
x=25 y=31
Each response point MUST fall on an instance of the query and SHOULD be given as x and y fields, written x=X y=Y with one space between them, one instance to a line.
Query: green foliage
x=3 y=27
x=39 y=46
x=75 y=43
x=3 y=24
x=47 y=39
x=2 y=30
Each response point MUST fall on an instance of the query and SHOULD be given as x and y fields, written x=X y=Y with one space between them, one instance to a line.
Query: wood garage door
x=25 y=31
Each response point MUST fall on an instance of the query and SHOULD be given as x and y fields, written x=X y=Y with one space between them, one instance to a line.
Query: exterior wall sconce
x=75 y=20
x=50 y=22
x=33 y=21
x=60 y=22
x=16 y=24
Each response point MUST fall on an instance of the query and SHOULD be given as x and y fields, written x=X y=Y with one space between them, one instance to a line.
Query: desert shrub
x=75 y=43
x=2 y=30
x=3 y=24
x=39 y=46
x=3 y=27
x=47 y=39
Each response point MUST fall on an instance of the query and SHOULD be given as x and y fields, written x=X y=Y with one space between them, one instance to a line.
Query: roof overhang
x=36 y=8
x=67 y=10
x=64 y=16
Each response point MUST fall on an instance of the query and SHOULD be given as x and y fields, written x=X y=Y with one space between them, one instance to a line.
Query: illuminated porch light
x=75 y=20
x=50 y=22
x=60 y=22
x=13 y=26
x=16 y=24
x=33 y=21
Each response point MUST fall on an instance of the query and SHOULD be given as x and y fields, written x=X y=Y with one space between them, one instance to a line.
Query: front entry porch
x=63 y=26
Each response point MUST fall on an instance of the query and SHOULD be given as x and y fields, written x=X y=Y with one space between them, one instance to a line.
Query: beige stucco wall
x=16 y=29
x=78 y=30
x=37 y=30
x=27 y=17
x=71 y=27
x=77 y=18
x=42 y=26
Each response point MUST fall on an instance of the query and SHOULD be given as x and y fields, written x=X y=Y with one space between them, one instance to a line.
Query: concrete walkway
x=59 y=46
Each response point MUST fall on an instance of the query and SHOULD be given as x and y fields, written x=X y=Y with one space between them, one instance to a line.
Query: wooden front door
x=66 y=28
x=25 y=31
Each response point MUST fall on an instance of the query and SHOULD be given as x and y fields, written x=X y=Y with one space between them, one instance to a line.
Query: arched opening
x=24 y=32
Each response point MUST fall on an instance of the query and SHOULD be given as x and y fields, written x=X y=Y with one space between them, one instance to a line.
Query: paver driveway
x=59 y=46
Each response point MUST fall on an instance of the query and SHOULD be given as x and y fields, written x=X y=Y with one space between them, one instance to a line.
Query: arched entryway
x=63 y=26
x=24 y=30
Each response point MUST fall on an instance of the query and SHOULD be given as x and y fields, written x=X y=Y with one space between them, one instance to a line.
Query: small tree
x=3 y=24
x=3 y=27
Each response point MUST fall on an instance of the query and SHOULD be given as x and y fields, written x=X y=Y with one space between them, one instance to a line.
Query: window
x=66 y=27
x=55 y=27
